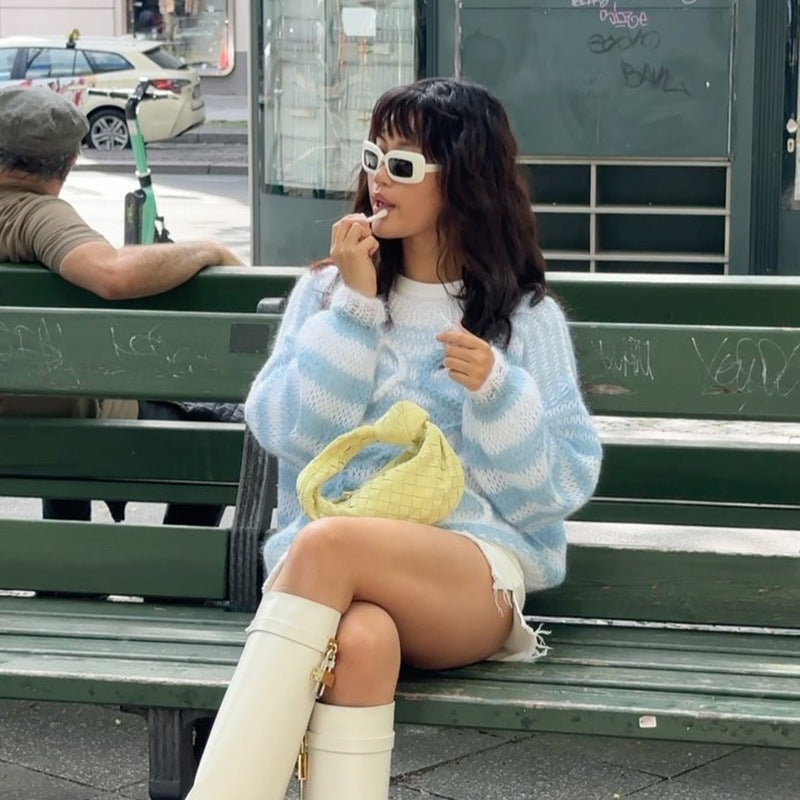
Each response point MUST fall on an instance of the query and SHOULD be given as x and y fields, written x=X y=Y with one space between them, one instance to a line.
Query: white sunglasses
x=403 y=166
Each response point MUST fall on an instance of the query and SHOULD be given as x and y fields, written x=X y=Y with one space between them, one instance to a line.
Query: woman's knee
x=319 y=564
x=321 y=543
x=368 y=661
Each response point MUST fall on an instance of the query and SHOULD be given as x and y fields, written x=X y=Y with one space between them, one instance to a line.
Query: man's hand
x=467 y=358
x=227 y=258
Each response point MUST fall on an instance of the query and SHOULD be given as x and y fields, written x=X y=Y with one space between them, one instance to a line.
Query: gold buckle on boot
x=323 y=674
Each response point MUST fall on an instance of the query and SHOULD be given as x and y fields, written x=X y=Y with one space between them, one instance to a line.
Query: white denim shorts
x=523 y=642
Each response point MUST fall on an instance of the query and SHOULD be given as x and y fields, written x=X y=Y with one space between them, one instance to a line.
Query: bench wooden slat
x=433 y=700
x=672 y=299
x=730 y=515
x=109 y=558
x=767 y=474
x=674 y=586
x=111 y=628
x=216 y=289
x=120 y=490
x=118 y=681
x=135 y=650
x=158 y=355
x=121 y=449
x=687 y=662
x=722 y=372
x=662 y=680
x=150 y=616
x=688 y=299
x=691 y=371
x=676 y=639
x=603 y=711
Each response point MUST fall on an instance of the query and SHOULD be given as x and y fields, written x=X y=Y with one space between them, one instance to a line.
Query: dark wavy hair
x=487 y=225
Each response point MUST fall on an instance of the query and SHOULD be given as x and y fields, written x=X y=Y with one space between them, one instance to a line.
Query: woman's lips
x=379 y=203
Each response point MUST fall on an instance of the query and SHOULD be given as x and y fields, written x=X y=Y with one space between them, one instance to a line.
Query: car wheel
x=108 y=130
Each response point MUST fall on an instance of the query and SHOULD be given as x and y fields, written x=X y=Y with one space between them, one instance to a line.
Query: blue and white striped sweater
x=530 y=452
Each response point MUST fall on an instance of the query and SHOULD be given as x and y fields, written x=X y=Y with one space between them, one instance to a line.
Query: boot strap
x=323 y=674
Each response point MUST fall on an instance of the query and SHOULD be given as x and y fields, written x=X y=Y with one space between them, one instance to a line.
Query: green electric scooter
x=143 y=225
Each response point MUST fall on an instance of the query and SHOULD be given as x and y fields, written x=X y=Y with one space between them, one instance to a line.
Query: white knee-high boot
x=254 y=743
x=349 y=752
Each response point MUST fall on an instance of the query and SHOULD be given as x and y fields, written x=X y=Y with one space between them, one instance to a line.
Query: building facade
x=210 y=35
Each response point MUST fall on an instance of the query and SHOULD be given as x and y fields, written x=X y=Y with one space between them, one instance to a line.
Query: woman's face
x=413 y=207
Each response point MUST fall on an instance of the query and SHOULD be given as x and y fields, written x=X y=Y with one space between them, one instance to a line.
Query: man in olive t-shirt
x=43 y=228
x=40 y=138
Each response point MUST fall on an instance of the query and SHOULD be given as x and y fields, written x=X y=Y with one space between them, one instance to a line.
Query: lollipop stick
x=376 y=216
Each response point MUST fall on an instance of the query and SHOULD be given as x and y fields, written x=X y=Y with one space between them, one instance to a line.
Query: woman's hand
x=467 y=358
x=352 y=248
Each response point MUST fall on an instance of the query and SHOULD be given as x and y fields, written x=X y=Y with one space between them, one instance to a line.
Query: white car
x=71 y=66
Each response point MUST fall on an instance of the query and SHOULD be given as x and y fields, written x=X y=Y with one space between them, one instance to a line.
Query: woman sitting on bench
x=434 y=293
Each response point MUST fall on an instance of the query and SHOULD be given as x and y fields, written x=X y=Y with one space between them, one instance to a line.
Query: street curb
x=213 y=137
x=184 y=168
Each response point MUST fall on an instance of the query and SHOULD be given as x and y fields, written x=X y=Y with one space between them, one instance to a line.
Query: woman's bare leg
x=430 y=586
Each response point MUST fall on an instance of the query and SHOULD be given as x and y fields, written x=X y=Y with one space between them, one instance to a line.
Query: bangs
x=400 y=113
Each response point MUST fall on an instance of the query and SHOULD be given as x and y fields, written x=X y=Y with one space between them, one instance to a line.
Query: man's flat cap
x=38 y=122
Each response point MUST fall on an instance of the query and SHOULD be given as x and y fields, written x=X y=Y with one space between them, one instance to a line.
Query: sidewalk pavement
x=66 y=752
x=218 y=147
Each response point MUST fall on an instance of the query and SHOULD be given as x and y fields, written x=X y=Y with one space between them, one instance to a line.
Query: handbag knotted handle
x=402 y=489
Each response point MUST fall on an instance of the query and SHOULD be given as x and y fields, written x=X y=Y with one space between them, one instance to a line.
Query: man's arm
x=140 y=270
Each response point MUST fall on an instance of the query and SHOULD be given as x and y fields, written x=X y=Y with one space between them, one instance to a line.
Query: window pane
x=103 y=61
x=56 y=62
x=325 y=64
x=7 y=57
x=38 y=63
x=165 y=59
x=197 y=33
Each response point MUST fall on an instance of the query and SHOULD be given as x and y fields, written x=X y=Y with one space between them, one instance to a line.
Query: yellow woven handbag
x=422 y=484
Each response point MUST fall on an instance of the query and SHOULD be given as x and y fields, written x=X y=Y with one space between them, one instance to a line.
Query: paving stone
x=664 y=759
x=420 y=746
x=396 y=792
x=403 y=793
x=94 y=745
x=138 y=791
x=20 y=783
x=744 y=775
x=521 y=771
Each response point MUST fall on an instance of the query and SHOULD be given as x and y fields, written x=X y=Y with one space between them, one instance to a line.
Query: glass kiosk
x=655 y=148
x=320 y=66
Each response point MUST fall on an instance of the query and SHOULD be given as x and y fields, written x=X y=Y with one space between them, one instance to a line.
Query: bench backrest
x=122 y=352
x=643 y=350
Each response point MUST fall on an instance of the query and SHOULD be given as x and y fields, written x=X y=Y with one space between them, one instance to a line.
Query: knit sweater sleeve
x=318 y=379
x=530 y=443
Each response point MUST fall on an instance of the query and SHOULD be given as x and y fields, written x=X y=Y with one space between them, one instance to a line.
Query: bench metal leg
x=176 y=738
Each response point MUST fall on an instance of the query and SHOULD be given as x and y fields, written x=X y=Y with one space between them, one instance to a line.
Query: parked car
x=74 y=65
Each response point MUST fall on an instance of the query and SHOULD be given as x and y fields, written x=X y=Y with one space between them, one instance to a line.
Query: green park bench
x=662 y=630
